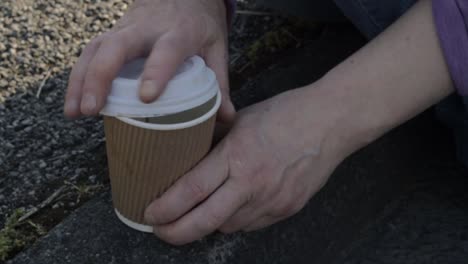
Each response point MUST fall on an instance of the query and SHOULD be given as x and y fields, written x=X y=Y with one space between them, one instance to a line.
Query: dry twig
x=42 y=84
x=44 y=203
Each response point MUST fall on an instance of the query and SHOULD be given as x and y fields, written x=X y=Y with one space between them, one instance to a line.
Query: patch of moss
x=84 y=190
x=269 y=43
x=15 y=235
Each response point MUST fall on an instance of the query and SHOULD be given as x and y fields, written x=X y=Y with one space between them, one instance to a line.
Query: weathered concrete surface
x=357 y=193
x=428 y=225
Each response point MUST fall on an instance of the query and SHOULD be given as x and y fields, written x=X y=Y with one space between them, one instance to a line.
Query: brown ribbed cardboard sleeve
x=143 y=163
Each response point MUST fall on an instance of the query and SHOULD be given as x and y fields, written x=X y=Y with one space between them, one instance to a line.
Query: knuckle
x=290 y=202
x=173 y=41
x=190 y=24
x=211 y=223
x=250 y=197
x=226 y=97
x=256 y=181
x=285 y=209
x=236 y=154
x=158 y=213
x=93 y=44
x=254 y=175
x=152 y=69
x=196 y=190
x=116 y=40
x=95 y=72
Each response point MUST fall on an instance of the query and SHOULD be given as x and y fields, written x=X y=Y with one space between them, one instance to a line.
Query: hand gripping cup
x=150 y=146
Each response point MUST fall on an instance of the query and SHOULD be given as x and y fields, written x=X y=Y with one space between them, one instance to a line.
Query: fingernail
x=148 y=91
x=88 y=104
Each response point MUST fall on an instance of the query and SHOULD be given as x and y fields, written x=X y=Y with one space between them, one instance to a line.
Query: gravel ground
x=43 y=154
x=39 y=37
x=41 y=40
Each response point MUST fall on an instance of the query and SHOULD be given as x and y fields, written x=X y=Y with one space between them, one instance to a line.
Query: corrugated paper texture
x=144 y=163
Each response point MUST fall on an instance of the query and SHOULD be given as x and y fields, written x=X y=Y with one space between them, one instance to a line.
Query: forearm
x=396 y=76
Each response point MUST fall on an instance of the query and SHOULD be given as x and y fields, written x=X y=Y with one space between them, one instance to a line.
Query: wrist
x=388 y=81
x=351 y=123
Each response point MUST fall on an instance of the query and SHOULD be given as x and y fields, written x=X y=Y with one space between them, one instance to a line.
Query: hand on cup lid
x=193 y=85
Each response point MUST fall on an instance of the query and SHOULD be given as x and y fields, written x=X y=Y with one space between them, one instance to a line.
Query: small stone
x=57 y=163
x=26 y=121
x=58 y=205
x=42 y=164
x=92 y=178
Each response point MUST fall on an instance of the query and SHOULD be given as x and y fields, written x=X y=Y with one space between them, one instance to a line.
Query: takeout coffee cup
x=150 y=146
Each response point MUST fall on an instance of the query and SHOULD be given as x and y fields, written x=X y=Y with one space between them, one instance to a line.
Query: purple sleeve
x=451 y=19
x=231 y=9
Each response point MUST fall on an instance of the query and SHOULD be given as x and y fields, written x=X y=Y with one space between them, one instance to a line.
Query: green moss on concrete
x=15 y=235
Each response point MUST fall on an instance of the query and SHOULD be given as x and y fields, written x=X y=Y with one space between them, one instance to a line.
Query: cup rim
x=134 y=225
x=183 y=125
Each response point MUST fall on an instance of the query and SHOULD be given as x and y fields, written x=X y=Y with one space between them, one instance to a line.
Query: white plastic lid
x=193 y=85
